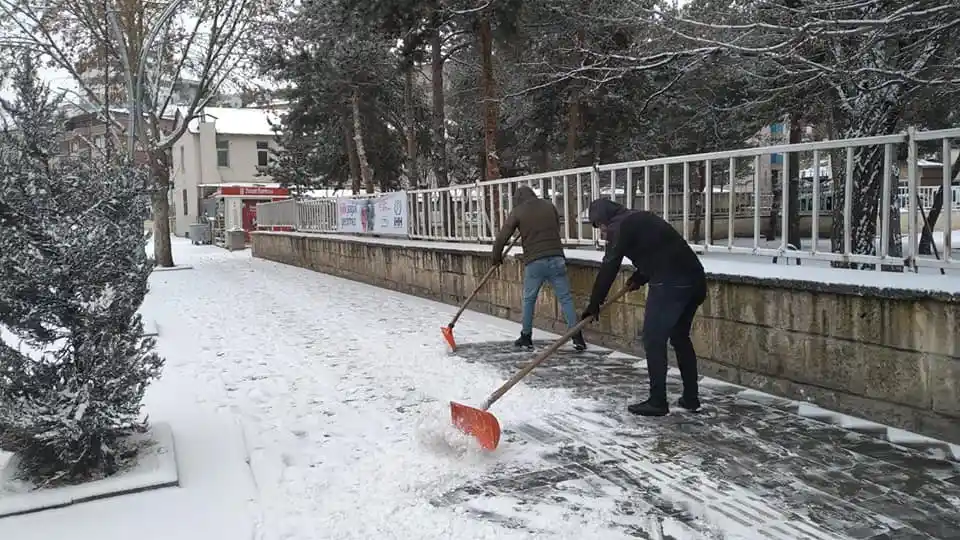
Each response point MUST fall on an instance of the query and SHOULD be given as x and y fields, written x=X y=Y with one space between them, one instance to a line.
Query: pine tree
x=73 y=273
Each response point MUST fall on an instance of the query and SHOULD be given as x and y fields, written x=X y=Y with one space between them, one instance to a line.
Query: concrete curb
x=173 y=268
x=156 y=469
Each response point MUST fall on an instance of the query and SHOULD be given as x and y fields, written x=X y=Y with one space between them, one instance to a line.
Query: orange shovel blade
x=481 y=424
x=448 y=335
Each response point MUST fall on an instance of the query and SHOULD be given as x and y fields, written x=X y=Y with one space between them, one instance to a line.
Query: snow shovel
x=447 y=330
x=484 y=426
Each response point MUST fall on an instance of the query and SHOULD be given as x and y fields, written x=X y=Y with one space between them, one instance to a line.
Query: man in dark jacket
x=539 y=225
x=677 y=287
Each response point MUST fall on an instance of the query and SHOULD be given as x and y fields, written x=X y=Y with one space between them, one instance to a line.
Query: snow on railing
x=727 y=202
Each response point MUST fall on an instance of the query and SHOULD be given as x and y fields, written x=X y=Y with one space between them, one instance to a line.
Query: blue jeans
x=552 y=270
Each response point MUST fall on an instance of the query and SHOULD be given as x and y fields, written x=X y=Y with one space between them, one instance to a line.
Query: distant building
x=223 y=150
x=86 y=136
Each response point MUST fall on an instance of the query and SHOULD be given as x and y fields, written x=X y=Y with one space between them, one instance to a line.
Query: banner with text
x=379 y=214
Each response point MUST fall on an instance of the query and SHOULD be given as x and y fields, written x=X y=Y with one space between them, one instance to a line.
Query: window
x=99 y=141
x=185 y=209
x=181 y=158
x=223 y=153
x=263 y=154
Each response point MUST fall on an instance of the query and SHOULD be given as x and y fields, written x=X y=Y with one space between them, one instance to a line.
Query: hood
x=523 y=194
x=603 y=211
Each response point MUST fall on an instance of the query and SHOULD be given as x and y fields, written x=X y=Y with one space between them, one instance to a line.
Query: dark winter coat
x=539 y=225
x=656 y=249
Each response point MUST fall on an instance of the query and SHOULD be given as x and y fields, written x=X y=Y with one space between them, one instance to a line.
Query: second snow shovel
x=447 y=330
x=484 y=426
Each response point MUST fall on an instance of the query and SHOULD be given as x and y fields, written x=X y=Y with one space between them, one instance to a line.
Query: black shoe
x=525 y=340
x=690 y=404
x=578 y=342
x=650 y=407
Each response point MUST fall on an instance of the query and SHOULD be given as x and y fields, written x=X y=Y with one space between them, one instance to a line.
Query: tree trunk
x=793 y=184
x=877 y=116
x=358 y=140
x=439 y=117
x=541 y=147
x=926 y=238
x=838 y=167
x=773 y=224
x=413 y=177
x=351 y=149
x=572 y=151
x=491 y=105
x=894 y=237
x=160 y=182
x=926 y=235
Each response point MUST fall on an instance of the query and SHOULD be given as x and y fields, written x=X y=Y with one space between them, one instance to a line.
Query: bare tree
x=872 y=58
x=204 y=41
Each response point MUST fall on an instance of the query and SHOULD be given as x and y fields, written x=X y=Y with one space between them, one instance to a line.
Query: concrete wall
x=889 y=355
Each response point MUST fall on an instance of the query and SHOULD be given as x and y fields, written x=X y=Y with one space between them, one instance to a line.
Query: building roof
x=236 y=121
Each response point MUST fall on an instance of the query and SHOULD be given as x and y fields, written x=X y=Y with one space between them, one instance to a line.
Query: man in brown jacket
x=539 y=225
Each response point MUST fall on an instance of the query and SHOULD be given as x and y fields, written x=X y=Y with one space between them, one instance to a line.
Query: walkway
x=336 y=394
x=748 y=460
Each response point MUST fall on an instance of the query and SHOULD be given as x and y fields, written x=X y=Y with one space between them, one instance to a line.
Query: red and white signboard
x=253 y=192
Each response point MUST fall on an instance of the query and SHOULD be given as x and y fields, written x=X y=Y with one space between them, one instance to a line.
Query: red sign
x=253 y=191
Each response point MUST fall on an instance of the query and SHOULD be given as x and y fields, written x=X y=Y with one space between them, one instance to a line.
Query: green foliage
x=73 y=274
x=619 y=80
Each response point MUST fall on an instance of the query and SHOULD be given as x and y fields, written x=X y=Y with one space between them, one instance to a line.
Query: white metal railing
x=317 y=215
x=927 y=195
x=312 y=215
x=277 y=214
x=741 y=206
x=724 y=202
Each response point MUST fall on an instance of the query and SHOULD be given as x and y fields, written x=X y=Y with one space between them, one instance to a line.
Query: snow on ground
x=335 y=392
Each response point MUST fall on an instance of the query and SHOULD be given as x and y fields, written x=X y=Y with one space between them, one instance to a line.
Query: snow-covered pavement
x=309 y=407
x=342 y=392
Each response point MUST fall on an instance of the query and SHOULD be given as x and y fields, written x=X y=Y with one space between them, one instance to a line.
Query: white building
x=218 y=162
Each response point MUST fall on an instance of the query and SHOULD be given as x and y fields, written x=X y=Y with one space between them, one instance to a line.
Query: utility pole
x=135 y=73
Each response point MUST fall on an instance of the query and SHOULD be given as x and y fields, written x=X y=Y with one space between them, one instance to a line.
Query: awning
x=250 y=192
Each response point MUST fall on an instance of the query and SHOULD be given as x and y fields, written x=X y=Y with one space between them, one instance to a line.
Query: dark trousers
x=669 y=317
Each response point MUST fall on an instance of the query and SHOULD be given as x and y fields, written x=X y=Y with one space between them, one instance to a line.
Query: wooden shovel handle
x=547 y=353
x=480 y=285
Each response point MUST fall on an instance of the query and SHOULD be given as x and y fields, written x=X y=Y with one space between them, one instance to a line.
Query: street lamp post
x=135 y=80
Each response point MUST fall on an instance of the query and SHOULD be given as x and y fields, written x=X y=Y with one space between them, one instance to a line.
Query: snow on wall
x=949 y=283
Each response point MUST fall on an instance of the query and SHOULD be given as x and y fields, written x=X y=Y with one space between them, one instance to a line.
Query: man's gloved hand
x=592 y=312
x=636 y=281
x=497 y=259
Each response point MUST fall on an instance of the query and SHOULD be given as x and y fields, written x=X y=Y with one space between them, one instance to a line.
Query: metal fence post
x=912 y=195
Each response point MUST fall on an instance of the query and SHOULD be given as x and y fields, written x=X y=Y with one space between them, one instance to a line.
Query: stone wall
x=889 y=355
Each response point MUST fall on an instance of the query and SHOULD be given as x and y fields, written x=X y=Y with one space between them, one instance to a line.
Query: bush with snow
x=73 y=273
